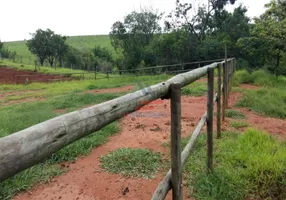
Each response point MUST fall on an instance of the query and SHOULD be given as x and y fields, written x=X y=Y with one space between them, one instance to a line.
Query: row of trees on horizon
x=188 y=35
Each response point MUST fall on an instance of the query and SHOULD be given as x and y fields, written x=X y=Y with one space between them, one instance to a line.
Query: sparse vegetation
x=241 y=172
x=234 y=114
x=132 y=162
x=195 y=89
x=239 y=124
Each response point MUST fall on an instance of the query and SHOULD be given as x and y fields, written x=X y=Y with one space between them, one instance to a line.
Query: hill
x=79 y=42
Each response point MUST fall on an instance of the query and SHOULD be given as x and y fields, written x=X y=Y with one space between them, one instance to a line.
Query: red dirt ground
x=11 y=76
x=86 y=180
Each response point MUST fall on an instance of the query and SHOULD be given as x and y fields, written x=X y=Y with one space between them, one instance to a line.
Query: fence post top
x=176 y=85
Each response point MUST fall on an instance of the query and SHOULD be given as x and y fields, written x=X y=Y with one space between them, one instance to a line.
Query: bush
x=242 y=76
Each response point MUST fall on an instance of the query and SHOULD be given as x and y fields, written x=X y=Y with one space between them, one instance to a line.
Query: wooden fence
x=173 y=179
x=28 y=147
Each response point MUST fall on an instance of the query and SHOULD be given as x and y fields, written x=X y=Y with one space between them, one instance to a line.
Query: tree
x=129 y=38
x=196 y=18
x=267 y=41
x=1 y=45
x=47 y=45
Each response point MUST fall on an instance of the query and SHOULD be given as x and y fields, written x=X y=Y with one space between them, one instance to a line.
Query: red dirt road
x=86 y=180
x=12 y=76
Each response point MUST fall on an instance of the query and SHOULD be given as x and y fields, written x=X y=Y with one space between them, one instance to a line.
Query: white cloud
x=79 y=17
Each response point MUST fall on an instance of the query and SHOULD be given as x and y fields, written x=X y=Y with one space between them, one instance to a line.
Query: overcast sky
x=80 y=17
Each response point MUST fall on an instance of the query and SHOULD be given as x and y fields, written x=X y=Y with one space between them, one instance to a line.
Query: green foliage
x=239 y=124
x=195 y=90
x=132 y=162
x=267 y=41
x=248 y=165
x=234 y=114
x=47 y=45
x=259 y=78
x=242 y=76
x=18 y=117
x=131 y=37
x=268 y=102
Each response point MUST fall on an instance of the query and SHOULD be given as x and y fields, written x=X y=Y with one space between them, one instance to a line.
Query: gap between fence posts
x=210 y=119
x=219 y=101
x=175 y=94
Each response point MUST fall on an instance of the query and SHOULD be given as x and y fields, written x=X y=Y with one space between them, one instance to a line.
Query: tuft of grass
x=268 y=102
x=239 y=124
x=259 y=78
x=251 y=165
x=195 y=89
x=234 y=114
x=132 y=162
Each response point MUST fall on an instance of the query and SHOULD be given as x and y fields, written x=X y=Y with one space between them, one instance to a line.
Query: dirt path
x=143 y=129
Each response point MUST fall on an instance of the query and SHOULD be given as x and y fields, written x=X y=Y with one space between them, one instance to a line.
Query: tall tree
x=195 y=17
x=268 y=41
x=45 y=44
x=130 y=37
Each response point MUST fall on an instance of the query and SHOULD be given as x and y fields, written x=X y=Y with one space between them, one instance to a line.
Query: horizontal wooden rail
x=28 y=147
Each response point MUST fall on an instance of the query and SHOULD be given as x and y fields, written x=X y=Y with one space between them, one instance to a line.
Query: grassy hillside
x=80 y=42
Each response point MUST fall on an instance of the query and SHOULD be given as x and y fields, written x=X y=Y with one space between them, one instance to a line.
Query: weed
x=248 y=165
x=268 y=102
x=132 y=162
x=234 y=114
x=239 y=124
x=195 y=89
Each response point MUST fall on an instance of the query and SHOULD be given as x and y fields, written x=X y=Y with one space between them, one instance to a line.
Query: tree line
x=194 y=33
x=191 y=32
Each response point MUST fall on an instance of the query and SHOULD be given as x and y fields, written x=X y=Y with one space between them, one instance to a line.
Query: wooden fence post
x=175 y=94
x=210 y=119
x=224 y=92
x=219 y=101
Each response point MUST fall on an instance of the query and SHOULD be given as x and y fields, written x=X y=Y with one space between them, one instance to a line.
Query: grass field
x=79 y=42
x=232 y=153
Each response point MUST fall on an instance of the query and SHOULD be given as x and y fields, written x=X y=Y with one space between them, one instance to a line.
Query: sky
x=81 y=17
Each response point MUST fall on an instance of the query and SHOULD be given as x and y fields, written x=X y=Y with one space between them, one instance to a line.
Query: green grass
x=234 y=114
x=79 y=42
x=239 y=124
x=251 y=165
x=268 y=102
x=195 y=89
x=61 y=88
x=18 y=117
x=259 y=78
x=270 y=99
x=69 y=97
x=132 y=162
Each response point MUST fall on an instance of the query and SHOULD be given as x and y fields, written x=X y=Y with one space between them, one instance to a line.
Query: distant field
x=79 y=42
